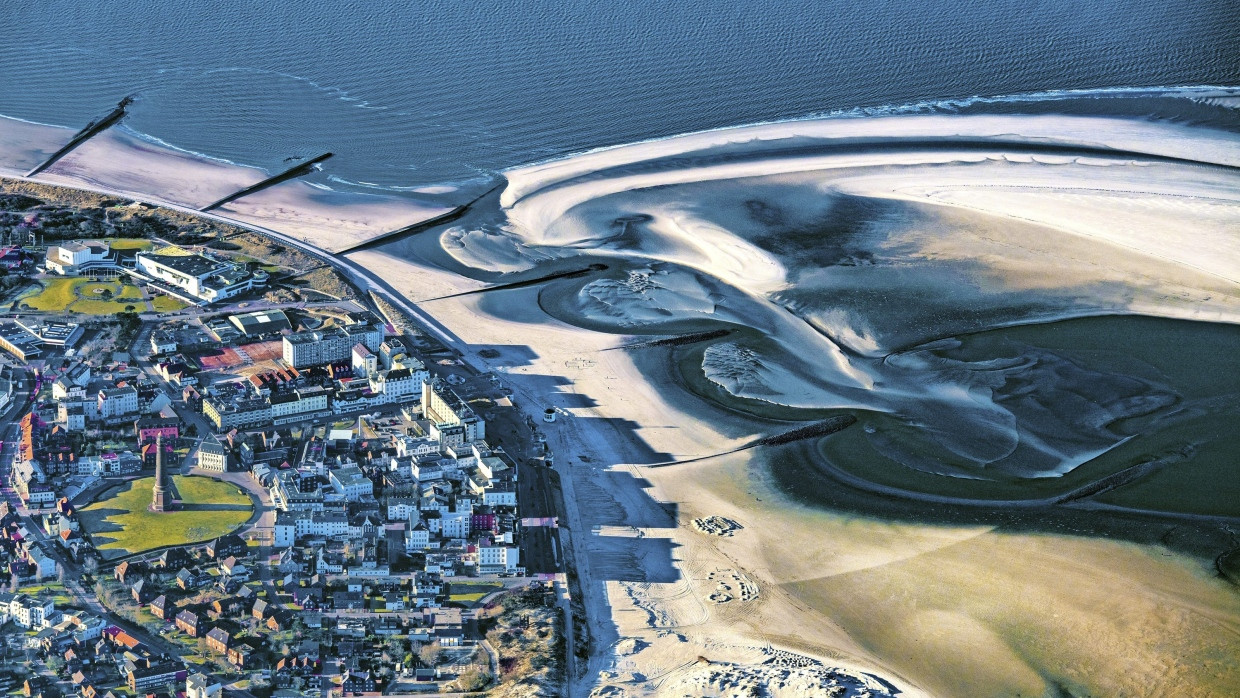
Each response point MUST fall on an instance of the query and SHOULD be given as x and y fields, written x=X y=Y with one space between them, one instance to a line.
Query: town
x=226 y=472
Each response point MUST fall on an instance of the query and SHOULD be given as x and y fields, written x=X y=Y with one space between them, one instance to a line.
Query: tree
x=90 y=565
x=429 y=654
x=475 y=678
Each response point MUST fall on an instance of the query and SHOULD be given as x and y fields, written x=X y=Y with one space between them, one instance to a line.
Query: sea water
x=413 y=93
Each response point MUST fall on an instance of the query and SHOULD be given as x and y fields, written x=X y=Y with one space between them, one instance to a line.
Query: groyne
x=88 y=132
x=294 y=172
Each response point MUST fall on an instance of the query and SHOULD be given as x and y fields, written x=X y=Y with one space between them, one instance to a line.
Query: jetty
x=88 y=132
x=294 y=172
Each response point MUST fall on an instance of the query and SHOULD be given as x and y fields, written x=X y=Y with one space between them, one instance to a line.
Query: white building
x=399 y=383
x=498 y=558
x=298 y=403
x=211 y=455
x=202 y=686
x=365 y=363
x=500 y=497
x=413 y=446
x=70 y=257
x=324 y=524
x=114 y=403
x=30 y=612
x=163 y=342
x=454 y=524
x=334 y=344
x=285 y=530
x=198 y=277
x=446 y=410
x=44 y=564
x=349 y=481
x=417 y=538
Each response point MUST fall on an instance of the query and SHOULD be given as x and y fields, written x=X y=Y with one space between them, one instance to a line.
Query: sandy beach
x=120 y=161
x=835 y=253
x=874 y=250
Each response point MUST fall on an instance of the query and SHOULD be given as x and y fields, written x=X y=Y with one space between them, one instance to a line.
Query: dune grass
x=122 y=523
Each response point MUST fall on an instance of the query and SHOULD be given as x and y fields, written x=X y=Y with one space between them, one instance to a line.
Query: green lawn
x=56 y=294
x=130 y=244
x=79 y=295
x=166 y=304
x=472 y=592
x=122 y=523
x=57 y=590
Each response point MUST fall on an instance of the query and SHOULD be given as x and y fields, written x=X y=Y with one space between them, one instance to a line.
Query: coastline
x=850 y=590
x=121 y=163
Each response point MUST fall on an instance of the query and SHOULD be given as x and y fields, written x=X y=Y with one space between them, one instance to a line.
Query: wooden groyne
x=677 y=341
x=85 y=134
x=571 y=274
x=825 y=427
x=294 y=172
x=421 y=226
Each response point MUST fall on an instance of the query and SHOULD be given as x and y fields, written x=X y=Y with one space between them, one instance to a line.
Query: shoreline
x=935 y=603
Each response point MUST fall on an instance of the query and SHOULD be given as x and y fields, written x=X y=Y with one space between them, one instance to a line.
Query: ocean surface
x=411 y=94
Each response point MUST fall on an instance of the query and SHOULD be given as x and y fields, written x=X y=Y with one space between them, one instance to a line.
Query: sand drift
x=847 y=259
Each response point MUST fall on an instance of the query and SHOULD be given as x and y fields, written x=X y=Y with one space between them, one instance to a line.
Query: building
x=444 y=408
x=365 y=363
x=151 y=428
x=236 y=413
x=330 y=345
x=116 y=403
x=189 y=623
x=211 y=455
x=217 y=640
x=163 y=342
x=19 y=342
x=298 y=404
x=141 y=678
x=57 y=334
x=78 y=256
x=203 y=686
x=197 y=278
x=261 y=322
x=30 y=612
x=349 y=481
x=402 y=383
x=391 y=351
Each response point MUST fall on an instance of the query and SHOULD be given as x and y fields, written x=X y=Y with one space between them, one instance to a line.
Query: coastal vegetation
x=527 y=631
x=123 y=523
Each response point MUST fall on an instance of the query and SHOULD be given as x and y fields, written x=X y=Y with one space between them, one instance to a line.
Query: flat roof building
x=20 y=342
x=261 y=322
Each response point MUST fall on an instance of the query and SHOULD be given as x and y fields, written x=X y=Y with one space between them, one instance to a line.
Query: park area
x=82 y=295
x=121 y=522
